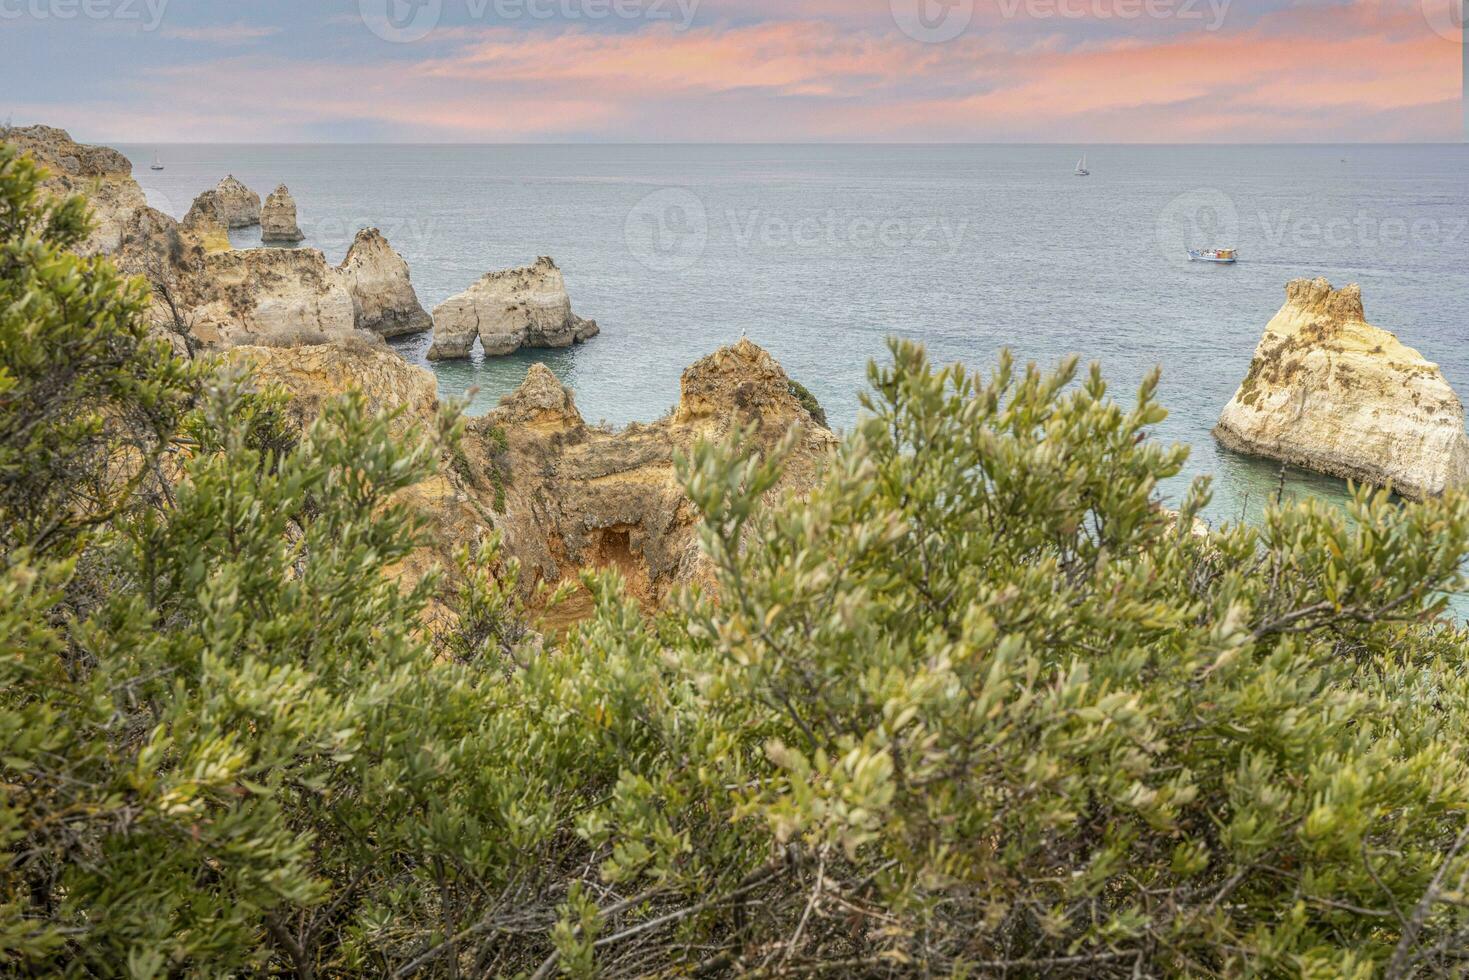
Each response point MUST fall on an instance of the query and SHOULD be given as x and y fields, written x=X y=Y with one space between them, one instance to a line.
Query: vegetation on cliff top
x=976 y=706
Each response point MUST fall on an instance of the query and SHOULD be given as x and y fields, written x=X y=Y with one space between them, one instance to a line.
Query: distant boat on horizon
x=1081 y=170
x=1224 y=256
x=157 y=162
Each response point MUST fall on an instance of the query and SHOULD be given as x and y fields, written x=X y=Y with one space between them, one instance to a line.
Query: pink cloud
x=1365 y=69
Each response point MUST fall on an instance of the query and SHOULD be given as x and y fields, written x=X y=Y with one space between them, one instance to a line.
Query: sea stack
x=525 y=307
x=239 y=206
x=1329 y=392
x=382 y=292
x=278 y=220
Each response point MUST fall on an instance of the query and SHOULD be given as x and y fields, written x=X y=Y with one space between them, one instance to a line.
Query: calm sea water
x=819 y=253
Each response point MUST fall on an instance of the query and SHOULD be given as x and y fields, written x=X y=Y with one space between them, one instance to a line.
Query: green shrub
x=976 y=705
x=87 y=401
x=808 y=402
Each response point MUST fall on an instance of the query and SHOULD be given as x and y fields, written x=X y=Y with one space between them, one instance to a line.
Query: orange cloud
x=1365 y=69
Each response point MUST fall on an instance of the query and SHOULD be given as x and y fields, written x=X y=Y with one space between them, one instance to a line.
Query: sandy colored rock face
x=525 y=307
x=565 y=496
x=383 y=298
x=101 y=173
x=200 y=287
x=204 y=225
x=314 y=375
x=1329 y=392
x=239 y=206
x=579 y=497
x=270 y=296
x=278 y=219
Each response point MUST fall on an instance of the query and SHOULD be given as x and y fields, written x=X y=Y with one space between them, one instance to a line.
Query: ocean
x=821 y=252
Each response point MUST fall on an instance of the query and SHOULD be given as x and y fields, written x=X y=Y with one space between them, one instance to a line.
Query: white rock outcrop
x=1329 y=392
x=377 y=279
x=271 y=297
x=239 y=206
x=278 y=219
x=525 y=307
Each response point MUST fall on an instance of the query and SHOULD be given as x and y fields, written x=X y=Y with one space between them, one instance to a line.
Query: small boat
x=1081 y=170
x=157 y=163
x=1225 y=256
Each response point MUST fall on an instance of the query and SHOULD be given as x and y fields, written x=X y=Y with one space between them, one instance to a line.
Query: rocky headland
x=1329 y=392
x=101 y=173
x=278 y=219
x=582 y=497
x=509 y=310
x=239 y=206
x=207 y=294
x=565 y=496
x=377 y=279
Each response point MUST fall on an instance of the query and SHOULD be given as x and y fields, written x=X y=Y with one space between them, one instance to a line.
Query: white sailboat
x=157 y=162
x=1223 y=256
x=1081 y=170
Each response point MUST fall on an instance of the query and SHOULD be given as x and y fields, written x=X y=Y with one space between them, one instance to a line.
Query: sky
x=1069 y=71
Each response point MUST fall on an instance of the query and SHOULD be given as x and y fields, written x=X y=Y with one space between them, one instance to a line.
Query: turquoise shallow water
x=821 y=252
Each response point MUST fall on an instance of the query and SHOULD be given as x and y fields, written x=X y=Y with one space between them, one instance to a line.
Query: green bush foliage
x=975 y=706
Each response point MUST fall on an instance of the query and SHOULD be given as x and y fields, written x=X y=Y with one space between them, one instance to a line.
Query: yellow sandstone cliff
x=1329 y=392
x=565 y=496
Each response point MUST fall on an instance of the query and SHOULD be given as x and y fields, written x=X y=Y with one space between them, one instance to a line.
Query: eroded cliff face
x=578 y=497
x=101 y=173
x=315 y=374
x=525 y=307
x=1329 y=392
x=377 y=278
x=268 y=296
x=564 y=495
x=239 y=206
x=204 y=225
x=201 y=288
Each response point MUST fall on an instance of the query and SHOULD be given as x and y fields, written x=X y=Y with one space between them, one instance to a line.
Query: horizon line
x=957 y=143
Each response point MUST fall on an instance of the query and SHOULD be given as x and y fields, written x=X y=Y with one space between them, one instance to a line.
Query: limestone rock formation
x=167 y=255
x=1329 y=392
x=219 y=297
x=565 y=496
x=579 y=497
x=277 y=297
x=204 y=225
x=278 y=220
x=202 y=292
x=377 y=279
x=103 y=174
x=239 y=206
x=314 y=374
x=525 y=307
